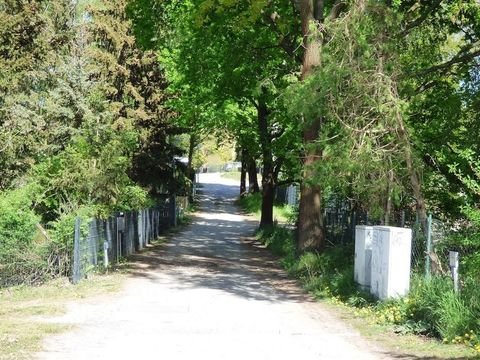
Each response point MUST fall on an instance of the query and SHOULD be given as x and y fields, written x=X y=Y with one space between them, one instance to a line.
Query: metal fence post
x=140 y=230
x=453 y=262
x=121 y=246
x=76 y=271
x=92 y=240
x=105 y=253
x=429 y=247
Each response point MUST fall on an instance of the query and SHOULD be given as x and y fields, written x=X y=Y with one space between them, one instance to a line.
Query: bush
x=17 y=221
x=28 y=254
x=278 y=239
x=251 y=203
x=19 y=254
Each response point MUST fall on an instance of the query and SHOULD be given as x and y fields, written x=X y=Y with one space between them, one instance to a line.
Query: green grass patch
x=252 y=204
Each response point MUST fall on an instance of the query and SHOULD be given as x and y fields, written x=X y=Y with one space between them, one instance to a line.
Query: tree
x=310 y=234
x=33 y=39
x=377 y=92
x=200 y=66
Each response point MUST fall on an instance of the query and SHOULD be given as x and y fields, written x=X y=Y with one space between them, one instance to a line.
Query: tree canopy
x=371 y=102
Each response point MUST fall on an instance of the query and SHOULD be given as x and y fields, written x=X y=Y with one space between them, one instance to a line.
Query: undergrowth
x=252 y=204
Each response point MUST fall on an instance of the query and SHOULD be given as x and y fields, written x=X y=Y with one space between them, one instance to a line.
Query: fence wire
x=340 y=220
x=101 y=242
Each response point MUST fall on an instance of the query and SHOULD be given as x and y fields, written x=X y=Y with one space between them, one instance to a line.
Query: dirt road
x=207 y=294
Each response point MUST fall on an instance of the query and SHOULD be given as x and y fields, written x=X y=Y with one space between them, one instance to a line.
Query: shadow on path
x=216 y=251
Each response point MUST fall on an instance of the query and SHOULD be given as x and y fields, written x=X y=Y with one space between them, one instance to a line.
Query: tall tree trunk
x=190 y=170
x=388 y=198
x=243 y=174
x=310 y=234
x=268 y=176
x=191 y=148
x=252 y=176
x=268 y=195
x=413 y=174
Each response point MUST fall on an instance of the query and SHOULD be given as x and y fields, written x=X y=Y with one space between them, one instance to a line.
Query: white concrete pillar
x=391 y=257
x=363 y=255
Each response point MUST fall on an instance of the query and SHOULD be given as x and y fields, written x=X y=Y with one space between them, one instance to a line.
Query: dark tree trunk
x=243 y=174
x=310 y=232
x=268 y=195
x=191 y=149
x=190 y=170
x=413 y=173
x=252 y=176
x=268 y=176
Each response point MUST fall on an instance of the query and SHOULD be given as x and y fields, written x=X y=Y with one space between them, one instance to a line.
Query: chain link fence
x=102 y=242
x=340 y=220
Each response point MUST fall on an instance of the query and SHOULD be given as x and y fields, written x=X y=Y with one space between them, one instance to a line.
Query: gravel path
x=209 y=293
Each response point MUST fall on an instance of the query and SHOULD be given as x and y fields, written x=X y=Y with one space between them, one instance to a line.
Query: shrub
x=278 y=239
x=251 y=203
x=454 y=317
x=17 y=221
x=29 y=255
x=19 y=254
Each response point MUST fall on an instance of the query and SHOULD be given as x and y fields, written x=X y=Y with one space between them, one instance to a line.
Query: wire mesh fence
x=101 y=242
x=340 y=220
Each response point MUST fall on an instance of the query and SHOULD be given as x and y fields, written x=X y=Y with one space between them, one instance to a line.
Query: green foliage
x=467 y=243
x=80 y=106
x=23 y=250
x=329 y=274
x=17 y=222
x=251 y=203
x=215 y=93
x=278 y=239
x=445 y=313
x=454 y=316
x=362 y=154
x=33 y=38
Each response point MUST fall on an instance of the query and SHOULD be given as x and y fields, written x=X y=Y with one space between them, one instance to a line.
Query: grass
x=414 y=345
x=252 y=204
x=23 y=307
